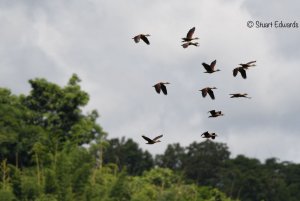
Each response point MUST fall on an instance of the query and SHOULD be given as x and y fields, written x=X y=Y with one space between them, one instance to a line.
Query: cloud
x=94 y=39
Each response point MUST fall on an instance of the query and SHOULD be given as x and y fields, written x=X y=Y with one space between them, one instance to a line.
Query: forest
x=50 y=150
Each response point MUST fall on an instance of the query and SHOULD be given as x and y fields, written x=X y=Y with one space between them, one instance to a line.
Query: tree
x=204 y=161
x=127 y=154
x=172 y=158
x=59 y=112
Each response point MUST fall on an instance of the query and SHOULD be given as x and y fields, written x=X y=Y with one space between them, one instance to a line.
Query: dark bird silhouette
x=152 y=141
x=242 y=69
x=214 y=113
x=161 y=87
x=210 y=68
x=239 y=95
x=189 y=35
x=143 y=37
x=185 y=45
x=249 y=64
x=209 y=135
x=209 y=91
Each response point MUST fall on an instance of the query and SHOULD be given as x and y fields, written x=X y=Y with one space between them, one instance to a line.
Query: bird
x=214 y=113
x=239 y=95
x=209 y=91
x=242 y=69
x=161 y=86
x=152 y=141
x=189 y=35
x=249 y=64
x=185 y=45
x=143 y=37
x=209 y=135
x=210 y=68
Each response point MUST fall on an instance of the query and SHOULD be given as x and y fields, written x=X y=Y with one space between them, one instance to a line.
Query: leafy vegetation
x=51 y=151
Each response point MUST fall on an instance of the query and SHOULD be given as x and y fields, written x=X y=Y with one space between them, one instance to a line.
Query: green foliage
x=51 y=151
x=126 y=153
x=6 y=195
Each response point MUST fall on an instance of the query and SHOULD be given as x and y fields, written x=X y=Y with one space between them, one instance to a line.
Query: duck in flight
x=210 y=68
x=143 y=37
x=214 y=113
x=152 y=141
x=209 y=91
x=187 y=44
x=239 y=95
x=161 y=87
x=242 y=69
x=189 y=35
x=209 y=135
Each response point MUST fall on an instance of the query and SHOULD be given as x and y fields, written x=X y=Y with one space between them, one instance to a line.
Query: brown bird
x=242 y=69
x=185 y=45
x=210 y=68
x=209 y=135
x=189 y=36
x=161 y=86
x=239 y=95
x=214 y=113
x=143 y=37
x=209 y=91
x=249 y=64
x=152 y=141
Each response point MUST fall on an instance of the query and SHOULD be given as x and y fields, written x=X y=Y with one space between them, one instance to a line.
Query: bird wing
x=207 y=67
x=243 y=72
x=213 y=64
x=212 y=112
x=145 y=39
x=204 y=92
x=189 y=35
x=147 y=139
x=185 y=45
x=251 y=62
x=211 y=94
x=156 y=138
x=157 y=88
x=137 y=38
x=235 y=71
x=164 y=89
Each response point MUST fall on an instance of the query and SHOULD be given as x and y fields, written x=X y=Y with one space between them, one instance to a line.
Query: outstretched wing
x=204 y=92
x=156 y=138
x=213 y=64
x=147 y=139
x=145 y=39
x=205 y=134
x=190 y=33
x=157 y=88
x=207 y=67
x=211 y=94
x=235 y=71
x=251 y=62
x=137 y=38
x=212 y=112
x=185 y=45
x=243 y=72
x=164 y=89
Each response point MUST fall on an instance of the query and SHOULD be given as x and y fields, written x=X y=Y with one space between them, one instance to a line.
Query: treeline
x=51 y=151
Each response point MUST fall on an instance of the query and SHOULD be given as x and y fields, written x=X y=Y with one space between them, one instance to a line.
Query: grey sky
x=53 y=39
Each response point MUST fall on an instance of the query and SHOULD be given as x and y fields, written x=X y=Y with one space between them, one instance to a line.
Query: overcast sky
x=93 y=38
